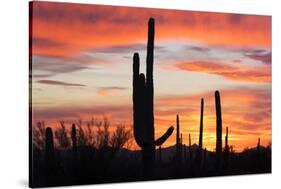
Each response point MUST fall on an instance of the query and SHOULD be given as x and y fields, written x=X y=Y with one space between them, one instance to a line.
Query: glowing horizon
x=82 y=67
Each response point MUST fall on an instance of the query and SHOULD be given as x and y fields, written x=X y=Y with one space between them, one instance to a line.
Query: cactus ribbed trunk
x=143 y=94
x=218 y=130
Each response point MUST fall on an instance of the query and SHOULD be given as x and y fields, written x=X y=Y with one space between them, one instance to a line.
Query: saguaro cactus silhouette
x=218 y=130
x=143 y=94
x=178 y=142
x=49 y=152
x=199 y=152
x=201 y=125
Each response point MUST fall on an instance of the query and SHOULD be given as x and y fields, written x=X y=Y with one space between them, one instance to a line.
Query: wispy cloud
x=60 y=83
x=243 y=73
x=105 y=91
x=262 y=57
x=38 y=42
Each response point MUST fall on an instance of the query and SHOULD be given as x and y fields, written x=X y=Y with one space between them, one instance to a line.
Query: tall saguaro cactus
x=200 y=150
x=201 y=125
x=218 y=130
x=143 y=94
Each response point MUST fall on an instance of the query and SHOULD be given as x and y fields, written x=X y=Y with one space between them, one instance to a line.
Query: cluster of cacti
x=218 y=130
x=143 y=94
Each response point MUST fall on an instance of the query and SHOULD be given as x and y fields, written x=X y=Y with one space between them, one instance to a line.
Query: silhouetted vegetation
x=143 y=97
x=94 y=152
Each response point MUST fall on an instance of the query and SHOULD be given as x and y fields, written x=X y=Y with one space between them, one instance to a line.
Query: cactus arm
x=164 y=137
x=137 y=98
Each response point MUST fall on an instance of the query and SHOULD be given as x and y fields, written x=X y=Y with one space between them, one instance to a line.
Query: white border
x=14 y=91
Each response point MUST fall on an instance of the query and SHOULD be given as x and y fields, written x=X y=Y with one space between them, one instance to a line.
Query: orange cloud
x=242 y=73
x=66 y=29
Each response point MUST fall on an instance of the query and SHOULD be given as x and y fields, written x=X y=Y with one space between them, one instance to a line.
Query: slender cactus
x=143 y=94
x=178 y=142
x=178 y=131
x=218 y=130
x=201 y=125
x=199 y=151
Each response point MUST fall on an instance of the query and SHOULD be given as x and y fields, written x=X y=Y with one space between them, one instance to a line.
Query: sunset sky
x=82 y=67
